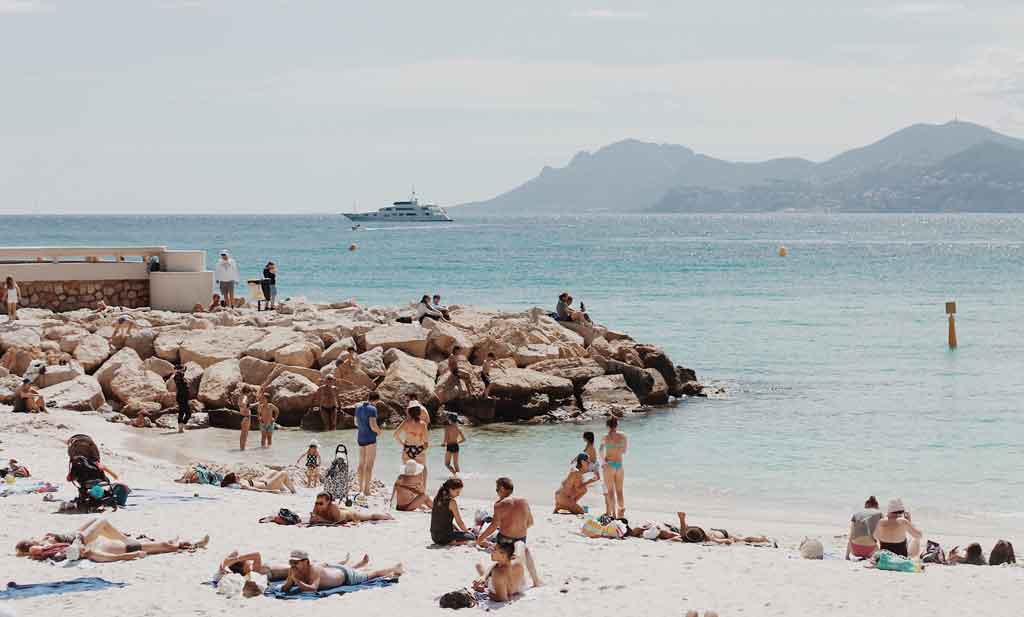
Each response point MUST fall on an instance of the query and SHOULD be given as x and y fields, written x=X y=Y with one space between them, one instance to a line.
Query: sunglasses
x=293 y=562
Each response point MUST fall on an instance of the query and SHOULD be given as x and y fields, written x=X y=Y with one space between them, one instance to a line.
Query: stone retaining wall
x=71 y=295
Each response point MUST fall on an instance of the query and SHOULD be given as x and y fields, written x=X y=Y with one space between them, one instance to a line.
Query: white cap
x=412 y=468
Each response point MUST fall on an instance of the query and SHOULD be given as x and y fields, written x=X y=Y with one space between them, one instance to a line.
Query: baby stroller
x=94 y=488
x=338 y=477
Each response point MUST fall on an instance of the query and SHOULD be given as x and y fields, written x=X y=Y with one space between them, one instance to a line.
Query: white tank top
x=12 y=296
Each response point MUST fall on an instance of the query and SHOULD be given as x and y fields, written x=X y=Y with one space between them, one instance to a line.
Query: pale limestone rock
x=523 y=383
x=161 y=367
x=208 y=347
x=609 y=394
x=83 y=393
x=409 y=338
x=336 y=349
x=92 y=351
x=137 y=384
x=126 y=357
x=219 y=383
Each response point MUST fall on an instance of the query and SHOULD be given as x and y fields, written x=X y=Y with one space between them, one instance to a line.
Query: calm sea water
x=838 y=382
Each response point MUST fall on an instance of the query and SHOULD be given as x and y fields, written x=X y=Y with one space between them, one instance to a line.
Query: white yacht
x=403 y=212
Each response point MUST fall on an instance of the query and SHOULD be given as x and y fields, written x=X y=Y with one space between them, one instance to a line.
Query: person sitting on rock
x=215 y=304
x=27 y=399
x=424 y=309
x=456 y=377
x=124 y=326
x=440 y=308
x=565 y=312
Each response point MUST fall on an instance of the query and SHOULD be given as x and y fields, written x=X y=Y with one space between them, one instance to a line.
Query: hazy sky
x=288 y=106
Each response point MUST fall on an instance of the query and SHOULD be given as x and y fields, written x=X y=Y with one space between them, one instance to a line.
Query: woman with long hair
x=613 y=449
x=445 y=516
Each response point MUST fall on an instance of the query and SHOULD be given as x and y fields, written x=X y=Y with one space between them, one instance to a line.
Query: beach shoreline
x=600 y=577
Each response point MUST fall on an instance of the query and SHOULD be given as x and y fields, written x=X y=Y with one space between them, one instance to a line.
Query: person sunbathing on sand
x=692 y=534
x=272 y=482
x=506 y=579
x=101 y=542
x=305 y=576
x=253 y=562
x=325 y=511
x=574 y=487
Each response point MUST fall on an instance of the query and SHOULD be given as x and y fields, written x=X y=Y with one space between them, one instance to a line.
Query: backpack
x=458 y=599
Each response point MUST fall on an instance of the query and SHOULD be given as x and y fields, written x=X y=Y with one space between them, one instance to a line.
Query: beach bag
x=119 y=494
x=594 y=529
x=892 y=562
x=458 y=599
x=337 y=478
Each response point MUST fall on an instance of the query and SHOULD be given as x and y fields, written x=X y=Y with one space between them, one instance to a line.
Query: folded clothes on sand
x=274 y=591
x=27 y=487
x=15 y=591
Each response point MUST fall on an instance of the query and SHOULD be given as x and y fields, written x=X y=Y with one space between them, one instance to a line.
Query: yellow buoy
x=783 y=251
x=353 y=246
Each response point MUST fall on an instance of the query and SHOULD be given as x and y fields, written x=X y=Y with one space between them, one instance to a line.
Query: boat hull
x=377 y=218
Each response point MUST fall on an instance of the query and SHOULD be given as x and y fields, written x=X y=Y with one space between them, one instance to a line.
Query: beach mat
x=142 y=496
x=14 y=591
x=274 y=591
x=27 y=486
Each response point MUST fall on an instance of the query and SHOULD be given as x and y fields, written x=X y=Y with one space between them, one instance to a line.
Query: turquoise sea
x=837 y=379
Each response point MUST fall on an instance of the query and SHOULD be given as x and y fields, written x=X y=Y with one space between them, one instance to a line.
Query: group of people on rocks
x=430 y=306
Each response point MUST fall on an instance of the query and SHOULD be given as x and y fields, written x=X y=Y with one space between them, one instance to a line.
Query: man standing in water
x=227 y=277
x=512 y=519
x=268 y=419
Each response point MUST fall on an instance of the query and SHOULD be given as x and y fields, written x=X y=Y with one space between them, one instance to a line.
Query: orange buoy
x=783 y=251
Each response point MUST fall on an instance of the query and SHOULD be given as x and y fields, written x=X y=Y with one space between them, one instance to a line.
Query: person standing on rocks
x=12 y=298
x=269 y=285
x=366 y=436
x=181 y=396
x=613 y=449
x=227 y=276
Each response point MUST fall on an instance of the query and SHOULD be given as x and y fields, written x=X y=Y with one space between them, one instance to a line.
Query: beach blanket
x=274 y=591
x=15 y=591
x=27 y=487
x=144 y=496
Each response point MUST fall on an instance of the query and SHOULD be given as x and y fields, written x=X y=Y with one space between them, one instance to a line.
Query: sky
x=287 y=107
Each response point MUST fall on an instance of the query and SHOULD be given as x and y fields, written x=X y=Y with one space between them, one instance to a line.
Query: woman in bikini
x=101 y=542
x=574 y=487
x=409 y=493
x=248 y=408
x=412 y=435
x=613 y=449
x=273 y=482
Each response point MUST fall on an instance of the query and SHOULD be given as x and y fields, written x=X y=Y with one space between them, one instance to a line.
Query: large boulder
x=577 y=370
x=92 y=351
x=18 y=359
x=126 y=357
x=302 y=354
x=521 y=383
x=293 y=394
x=639 y=380
x=208 y=347
x=143 y=342
x=22 y=338
x=658 y=394
x=339 y=347
x=219 y=382
x=161 y=367
x=256 y=371
x=444 y=337
x=56 y=333
x=8 y=384
x=69 y=343
x=58 y=374
x=406 y=377
x=372 y=362
x=410 y=338
x=276 y=338
x=138 y=384
x=532 y=353
x=167 y=345
x=609 y=394
x=83 y=393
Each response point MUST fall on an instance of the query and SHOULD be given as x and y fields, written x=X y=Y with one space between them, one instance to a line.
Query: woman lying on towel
x=101 y=542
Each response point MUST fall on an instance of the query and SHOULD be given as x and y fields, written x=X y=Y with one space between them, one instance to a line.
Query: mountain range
x=952 y=167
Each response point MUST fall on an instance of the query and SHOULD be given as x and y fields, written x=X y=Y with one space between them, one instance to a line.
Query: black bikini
x=900 y=548
x=413 y=451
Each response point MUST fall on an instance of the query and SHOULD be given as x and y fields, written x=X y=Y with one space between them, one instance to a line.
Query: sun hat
x=651 y=533
x=298 y=555
x=894 y=505
x=224 y=252
x=412 y=468
x=811 y=548
x=313 y=443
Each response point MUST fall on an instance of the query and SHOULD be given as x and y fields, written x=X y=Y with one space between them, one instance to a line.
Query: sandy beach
x=582 y=576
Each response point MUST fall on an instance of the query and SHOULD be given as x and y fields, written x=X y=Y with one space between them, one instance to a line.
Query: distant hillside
x=954 y=166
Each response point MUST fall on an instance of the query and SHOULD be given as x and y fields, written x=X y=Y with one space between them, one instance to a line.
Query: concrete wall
x=183 y=261
x=180 y=291
x=75 y=271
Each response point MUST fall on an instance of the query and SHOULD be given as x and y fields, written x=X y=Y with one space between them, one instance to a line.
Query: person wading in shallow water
x=613 y=449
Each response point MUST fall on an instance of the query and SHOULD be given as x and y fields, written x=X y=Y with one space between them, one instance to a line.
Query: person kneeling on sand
x=574 y=487
x=305 y=576
x=893 y=530
x=101 y=542
x=253 y=562
x=326 y=512
x=506 y=578
x=861 y=539
x=409 y=492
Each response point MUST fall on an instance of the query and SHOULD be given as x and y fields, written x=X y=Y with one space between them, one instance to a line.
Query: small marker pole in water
x=951 y=311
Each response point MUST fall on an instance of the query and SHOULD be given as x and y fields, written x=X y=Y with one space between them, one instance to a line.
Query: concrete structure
x=68 y=278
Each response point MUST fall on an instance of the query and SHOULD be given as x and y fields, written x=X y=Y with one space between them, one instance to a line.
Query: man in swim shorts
x=268 y=413
x=327 y=400
x=512 y=519
x=305 y=576
x=325 y=511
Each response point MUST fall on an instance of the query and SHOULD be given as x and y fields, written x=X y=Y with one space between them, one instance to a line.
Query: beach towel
x=27 y=487
x=206 y=476
x=145 y=496
x=377 y=583
x=15 y=591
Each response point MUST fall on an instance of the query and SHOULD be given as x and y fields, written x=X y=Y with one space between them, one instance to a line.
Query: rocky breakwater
x=543 y=370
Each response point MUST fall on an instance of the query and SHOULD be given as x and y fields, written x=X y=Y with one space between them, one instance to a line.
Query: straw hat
x=811 y=548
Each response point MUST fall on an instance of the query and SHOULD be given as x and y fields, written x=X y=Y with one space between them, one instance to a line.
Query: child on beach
x=312 y=455
x=453 y=436
x=268 y=419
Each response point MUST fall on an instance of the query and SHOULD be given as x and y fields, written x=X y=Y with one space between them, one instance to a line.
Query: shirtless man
x=101 y=542
x=892 y=531
x=124 y=326
x=327 y=401
x=253 y=562
x=325 y=511
x=512 y=519
x=27 y=398
x=305 y=576
x=574 y=487
x=268 y=413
